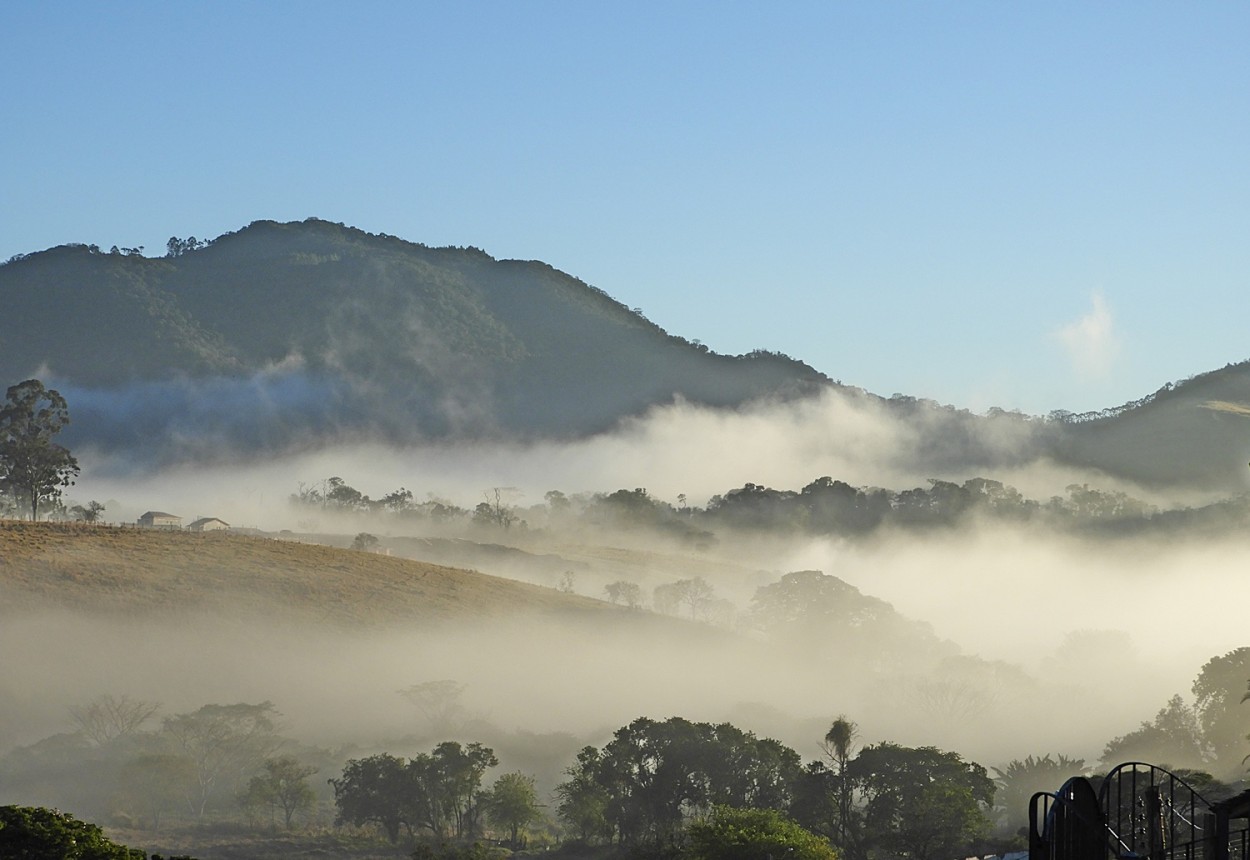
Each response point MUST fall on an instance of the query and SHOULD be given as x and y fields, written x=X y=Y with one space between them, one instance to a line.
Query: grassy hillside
x=149 y=572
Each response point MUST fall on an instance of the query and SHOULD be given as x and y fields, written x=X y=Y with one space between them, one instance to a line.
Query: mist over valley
x=444 y=469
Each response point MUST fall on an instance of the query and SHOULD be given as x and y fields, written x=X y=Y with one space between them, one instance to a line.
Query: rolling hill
x=132 y=572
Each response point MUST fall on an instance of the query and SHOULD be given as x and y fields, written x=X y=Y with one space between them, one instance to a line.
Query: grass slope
x=142 y=571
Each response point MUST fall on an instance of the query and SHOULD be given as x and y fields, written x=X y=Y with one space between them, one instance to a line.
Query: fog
x=679 y=449
x=1021 y=598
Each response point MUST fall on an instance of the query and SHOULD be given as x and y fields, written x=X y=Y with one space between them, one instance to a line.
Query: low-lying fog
x=1098 y=633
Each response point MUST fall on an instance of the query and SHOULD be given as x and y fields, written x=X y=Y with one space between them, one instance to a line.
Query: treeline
x=824 y=507
x=648 y=789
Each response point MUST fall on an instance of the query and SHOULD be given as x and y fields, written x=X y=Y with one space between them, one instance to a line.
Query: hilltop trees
x=33 y=468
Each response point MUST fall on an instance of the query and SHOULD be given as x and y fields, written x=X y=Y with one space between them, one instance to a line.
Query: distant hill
x=309 y=328
x=281 y=336
x=1196 y=433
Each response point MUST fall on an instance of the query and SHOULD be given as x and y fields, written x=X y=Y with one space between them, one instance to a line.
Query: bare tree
x=106 y=719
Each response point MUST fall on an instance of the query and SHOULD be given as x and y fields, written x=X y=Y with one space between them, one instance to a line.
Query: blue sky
x=1025 y=205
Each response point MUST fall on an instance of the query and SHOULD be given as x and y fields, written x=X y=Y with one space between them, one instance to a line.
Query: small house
x=160 y=520
x=209 y=524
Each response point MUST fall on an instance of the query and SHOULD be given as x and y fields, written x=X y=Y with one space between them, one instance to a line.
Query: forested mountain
x=296 y=334
x=350 y=331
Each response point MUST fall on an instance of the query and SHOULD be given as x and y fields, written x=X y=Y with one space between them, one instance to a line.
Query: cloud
x=1091 y=341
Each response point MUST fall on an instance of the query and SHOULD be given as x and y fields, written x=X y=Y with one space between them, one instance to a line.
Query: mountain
x=281 y=336
x=313 y=328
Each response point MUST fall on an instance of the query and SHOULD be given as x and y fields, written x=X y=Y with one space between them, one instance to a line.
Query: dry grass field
x=130 y=571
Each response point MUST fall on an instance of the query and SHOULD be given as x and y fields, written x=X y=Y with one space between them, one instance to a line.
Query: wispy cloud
x=1091 y=341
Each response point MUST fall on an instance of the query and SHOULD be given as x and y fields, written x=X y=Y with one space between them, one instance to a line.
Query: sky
x=1032 y=206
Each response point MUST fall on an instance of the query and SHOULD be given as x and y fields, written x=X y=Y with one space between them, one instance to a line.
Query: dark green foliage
x=921 y=802
x=377 y=333
x=33 y=468
x=35 y=833
x=512 y=803
x=376 y=790
x=754 y=834
x=438 y=792
x=652 y=773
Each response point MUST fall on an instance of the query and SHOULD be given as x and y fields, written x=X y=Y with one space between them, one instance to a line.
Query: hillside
x=312 y=328
x=1196 y=432
x=153 y=573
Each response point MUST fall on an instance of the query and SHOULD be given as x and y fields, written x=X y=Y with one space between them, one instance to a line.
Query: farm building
x=160 y=520
x=209 y=524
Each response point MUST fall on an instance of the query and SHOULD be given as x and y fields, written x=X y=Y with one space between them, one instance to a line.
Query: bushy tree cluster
x=438 y=793
x=716 y=788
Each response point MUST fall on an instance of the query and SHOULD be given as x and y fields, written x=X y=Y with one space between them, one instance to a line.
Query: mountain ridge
x=284 y=335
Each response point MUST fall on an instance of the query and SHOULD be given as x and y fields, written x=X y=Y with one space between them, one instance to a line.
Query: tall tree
x=33 y=468
x=225 y=743
x=838 y=746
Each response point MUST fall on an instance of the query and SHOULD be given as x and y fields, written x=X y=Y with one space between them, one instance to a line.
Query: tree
x=1218 y=693
x=838 y=744
x=1175 y=739
x=88 y=513
x=33 y=468
x=627 y=593
x=452 y=776
x=365 y=542
x=513 y=803
x=943 y=821
x=35 y=833
x=225 y=743
x=153 y=782
x=494 y=511
x=753 y=834
x=283 y=785
x=654 y=775
x=106 y=719
x=583 y=805
x=376 y=790
x=1020 y=779
x=439 y=702
x=921 y=801
x=694 y=594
